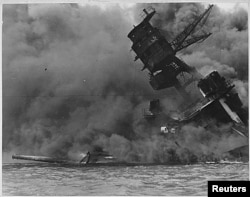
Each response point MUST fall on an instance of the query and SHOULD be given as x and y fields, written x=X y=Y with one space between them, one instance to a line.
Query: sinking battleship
x=219 y=101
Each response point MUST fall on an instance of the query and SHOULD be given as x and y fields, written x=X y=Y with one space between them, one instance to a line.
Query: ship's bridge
x=149 y=45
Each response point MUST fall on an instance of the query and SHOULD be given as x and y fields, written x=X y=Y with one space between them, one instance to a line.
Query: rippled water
x=46 y=179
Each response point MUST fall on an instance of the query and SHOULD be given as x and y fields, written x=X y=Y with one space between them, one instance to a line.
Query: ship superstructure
x=158 y=55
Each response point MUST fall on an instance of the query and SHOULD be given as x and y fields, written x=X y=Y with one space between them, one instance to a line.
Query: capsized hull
x=74 y=163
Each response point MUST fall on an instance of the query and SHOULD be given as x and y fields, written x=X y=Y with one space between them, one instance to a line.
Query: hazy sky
x=226 y=6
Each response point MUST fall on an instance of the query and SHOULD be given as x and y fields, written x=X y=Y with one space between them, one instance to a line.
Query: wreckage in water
x=93 y=159
x=166 y=70
x=218 y=101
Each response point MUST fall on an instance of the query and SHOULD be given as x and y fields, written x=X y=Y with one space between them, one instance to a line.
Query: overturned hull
x=44 y=159
x=93 y=158
x=75 y=163
x=239 y=154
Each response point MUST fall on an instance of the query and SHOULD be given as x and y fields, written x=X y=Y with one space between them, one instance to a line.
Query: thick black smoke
x=70 y=83
x=68 y=77
x=226 y=50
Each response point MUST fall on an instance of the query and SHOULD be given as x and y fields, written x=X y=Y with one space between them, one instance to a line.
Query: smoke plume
x=70 y=83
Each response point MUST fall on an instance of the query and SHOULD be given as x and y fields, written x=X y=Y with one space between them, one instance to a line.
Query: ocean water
x=41 y=179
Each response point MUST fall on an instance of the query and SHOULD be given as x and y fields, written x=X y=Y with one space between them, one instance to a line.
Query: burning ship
x=218 y=101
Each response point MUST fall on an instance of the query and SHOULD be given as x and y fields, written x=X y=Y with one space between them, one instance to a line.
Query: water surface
x=182 y=180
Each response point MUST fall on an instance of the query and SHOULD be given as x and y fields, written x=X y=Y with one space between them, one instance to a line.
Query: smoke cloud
x=70 y=83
